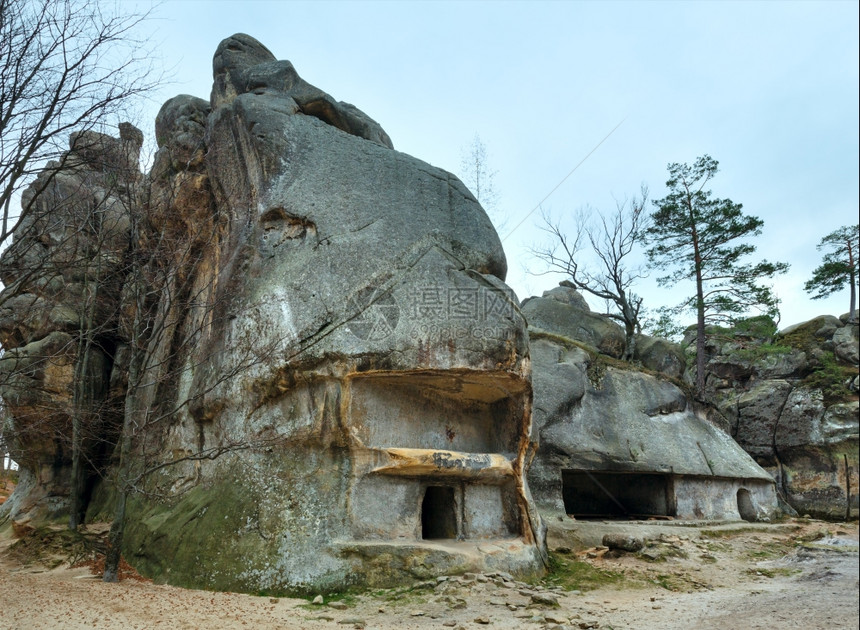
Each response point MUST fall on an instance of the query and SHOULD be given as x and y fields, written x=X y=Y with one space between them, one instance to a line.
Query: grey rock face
x=758 y=414
x=361 y=334
x=562 y=318
x=661 y=355
x=800 y=419
x=846 y=343
x=840 y=423
x=594 y=420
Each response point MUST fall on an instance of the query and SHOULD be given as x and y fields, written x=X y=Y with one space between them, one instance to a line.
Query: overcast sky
x=768 y=89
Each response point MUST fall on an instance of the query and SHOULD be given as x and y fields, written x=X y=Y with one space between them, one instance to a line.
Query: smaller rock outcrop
x=59 y=315
x=563 y=311
x=661 y=355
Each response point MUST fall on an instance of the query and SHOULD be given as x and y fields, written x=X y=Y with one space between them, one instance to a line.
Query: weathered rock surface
x=242 y=65
x=661 y=355
x=780 y=395
x=623 y=442
x=335 y=385
x=563 y=317
x=62 y=276
x=846 y=343
x=566 y=293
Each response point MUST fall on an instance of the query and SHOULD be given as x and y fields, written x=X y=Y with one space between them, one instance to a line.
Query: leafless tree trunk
x=480 y=178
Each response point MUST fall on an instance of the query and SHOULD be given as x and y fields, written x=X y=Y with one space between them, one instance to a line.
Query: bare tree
x=610 y=240
x=480 y=178
x=65 y=65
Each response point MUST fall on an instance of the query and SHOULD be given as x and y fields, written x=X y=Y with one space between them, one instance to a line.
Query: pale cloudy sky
x=770 y=89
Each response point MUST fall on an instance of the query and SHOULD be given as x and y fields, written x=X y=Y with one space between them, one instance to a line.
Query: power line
x=563 y=180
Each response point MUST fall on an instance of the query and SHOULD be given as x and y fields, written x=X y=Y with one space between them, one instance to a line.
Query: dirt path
x=801 y=574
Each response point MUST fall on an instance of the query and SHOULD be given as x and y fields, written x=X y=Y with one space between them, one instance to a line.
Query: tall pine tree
x=838 y=267
x=698 y=237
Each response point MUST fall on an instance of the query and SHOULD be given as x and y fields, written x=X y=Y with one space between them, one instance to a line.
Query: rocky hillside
x=790 y=400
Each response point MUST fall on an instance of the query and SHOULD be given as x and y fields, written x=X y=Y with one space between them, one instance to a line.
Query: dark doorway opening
x=438 y=515
x=616 y=495
x=745 y=506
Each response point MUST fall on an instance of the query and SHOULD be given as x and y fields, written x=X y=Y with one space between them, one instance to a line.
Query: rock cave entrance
x=438 y=515
x=596 y=495
x=745 y=506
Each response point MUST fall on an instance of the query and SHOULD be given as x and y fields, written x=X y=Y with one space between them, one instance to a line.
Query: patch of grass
x=669 y=582
x=410 y=598
x=813 y=536
x=659 y=553
x=770 y=550
x=349 y=599
x=830 y=377
x=757 y=353
x=571 y=574
x=715 y=546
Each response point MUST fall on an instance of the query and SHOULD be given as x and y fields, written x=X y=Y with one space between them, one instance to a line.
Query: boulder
x=563 y=319
x=566 y=293
x=846 y=343
x=623 y=542
x=661 y=355
x=821 y=327
x=632 y=431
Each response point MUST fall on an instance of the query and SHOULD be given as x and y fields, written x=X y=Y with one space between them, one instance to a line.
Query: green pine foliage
x=839 y=267
x=697 y=237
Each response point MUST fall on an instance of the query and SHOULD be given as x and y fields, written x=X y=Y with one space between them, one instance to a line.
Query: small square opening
x=438 y=515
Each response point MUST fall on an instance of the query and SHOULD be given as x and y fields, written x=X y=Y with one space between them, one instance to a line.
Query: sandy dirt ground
x=792 y=575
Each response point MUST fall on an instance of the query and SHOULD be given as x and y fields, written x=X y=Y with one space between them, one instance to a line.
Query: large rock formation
x=332 y=383
x=59 y=311
x=615 y=441
x=791 y=401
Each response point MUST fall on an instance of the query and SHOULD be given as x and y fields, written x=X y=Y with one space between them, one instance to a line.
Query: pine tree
x=839 y=266
x=701 y=238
